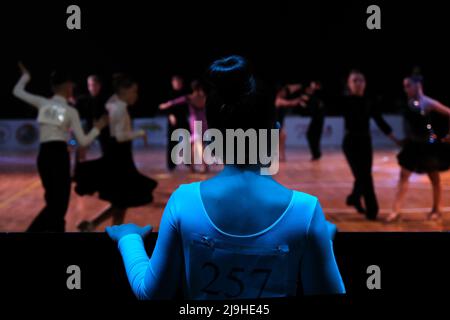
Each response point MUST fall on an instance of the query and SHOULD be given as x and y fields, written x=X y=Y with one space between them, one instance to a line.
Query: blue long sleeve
x=159 y=276
x=319 y=270
x=136 y=263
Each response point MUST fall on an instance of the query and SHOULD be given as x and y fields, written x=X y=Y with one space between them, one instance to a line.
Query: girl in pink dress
x=196 y=102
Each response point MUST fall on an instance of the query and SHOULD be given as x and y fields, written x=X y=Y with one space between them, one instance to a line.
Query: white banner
x=24 y=134
x=334 y=130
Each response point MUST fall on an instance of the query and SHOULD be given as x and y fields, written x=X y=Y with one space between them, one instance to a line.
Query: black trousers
x=54 y=169
x=359 y=154
x=314 y=134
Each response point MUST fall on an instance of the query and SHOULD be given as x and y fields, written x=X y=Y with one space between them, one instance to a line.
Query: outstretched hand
x=102 y=122
x=118 y=232
x=22 y=68
x=164 y=106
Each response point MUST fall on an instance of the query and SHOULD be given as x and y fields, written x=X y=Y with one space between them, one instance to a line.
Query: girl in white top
x=56 y=120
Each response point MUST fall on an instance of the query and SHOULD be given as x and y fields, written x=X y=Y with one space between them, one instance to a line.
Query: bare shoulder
x=430 y=103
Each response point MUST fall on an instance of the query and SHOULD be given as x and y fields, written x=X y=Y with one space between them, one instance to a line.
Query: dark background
x=413 y=266
x=284 y=40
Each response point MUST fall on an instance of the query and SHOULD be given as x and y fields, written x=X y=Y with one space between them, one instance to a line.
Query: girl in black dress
x=115 y=176
x=422 y=151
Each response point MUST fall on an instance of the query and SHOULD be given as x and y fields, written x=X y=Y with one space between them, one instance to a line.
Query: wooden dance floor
x=21 y=194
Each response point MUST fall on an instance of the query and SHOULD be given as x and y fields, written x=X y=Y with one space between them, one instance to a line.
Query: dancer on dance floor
x=239 y=234
x=287 y=97
x=196 y=102
x=316 y=110
x=56 y=118
x=422 y=151
x=115 y=176
x=91 y=107
x=177 y=117
x=357 y=144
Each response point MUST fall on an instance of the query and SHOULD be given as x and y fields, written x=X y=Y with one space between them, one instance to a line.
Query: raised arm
x=32 y=99
x=174 y=102
x=282 y=102
x=160 y=276
x=319 y=270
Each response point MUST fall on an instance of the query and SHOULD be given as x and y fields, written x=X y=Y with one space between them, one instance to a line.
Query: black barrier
x=38 y=265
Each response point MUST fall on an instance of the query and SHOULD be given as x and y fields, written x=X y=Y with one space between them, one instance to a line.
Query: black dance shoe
x=86 y=226
x=351 y=201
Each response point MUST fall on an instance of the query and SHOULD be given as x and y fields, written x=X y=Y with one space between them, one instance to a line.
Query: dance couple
x=114 y=176
x=421 y=152
x=291 y=97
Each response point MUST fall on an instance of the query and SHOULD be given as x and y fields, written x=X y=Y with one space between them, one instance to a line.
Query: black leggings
x=314 y=134
x=54 y=169
x=359 y=153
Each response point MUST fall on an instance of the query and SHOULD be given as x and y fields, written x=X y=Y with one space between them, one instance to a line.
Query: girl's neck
x=230 y=169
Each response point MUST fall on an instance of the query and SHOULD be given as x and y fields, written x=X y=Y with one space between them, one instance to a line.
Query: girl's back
x=237 y=243
x=244 y=203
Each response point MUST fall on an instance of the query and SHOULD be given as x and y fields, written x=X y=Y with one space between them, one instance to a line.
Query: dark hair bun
x=234 y=100
x=230 y=77
x=122 y=81
x=59 y=77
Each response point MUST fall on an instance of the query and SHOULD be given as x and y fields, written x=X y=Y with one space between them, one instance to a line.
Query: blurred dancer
x=177 y=117
x=115 y=175
x=239 y=234
x=91 y=107
x=357 y=144
x=316 y=109
x=196 y=102
x=422 y=151
x=287 y=97
x=55 y=118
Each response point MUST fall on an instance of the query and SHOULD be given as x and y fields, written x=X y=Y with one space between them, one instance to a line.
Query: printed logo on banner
x=26 y=134
x=5 y=134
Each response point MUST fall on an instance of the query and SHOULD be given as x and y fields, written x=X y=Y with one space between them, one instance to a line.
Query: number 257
x=233 y=276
